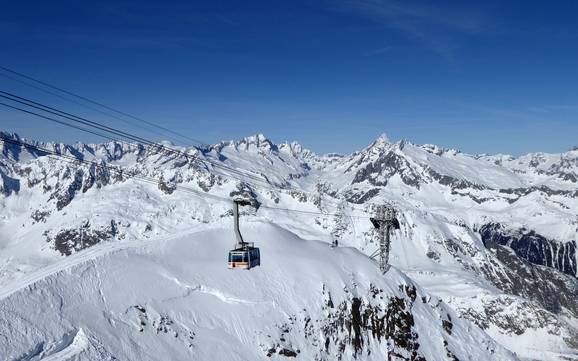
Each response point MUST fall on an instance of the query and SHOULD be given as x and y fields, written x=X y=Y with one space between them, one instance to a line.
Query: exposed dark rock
x=452 y=182
x=533 y=247
x=356 y=322
x=68 y=241
x=360 y=197
x=568 y=177
x=160 y=324
x=297 y=175
x=11 y=147
x=65 y=193
x=98 y=174
x=553 y=290
x=300 y=196
x=520 y=192
x=388 y=320
x=478 y=200
x=511 y=317
x=282 y=351
x=447 y=324
x=450 y=354
x=39 y=216
x=287 y=352
x=433 y=255
x=207 y=183
x=352 y=326
x=245 y=191
x=167 y=187
x=8 y=185
x=325 y=188
x=458 y=249
x=378 y=172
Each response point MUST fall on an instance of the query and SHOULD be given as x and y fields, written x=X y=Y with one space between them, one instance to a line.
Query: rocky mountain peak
x=379 y=146
x=8 y=135
x=295 y=149
x=257 y=141
x=381 y=141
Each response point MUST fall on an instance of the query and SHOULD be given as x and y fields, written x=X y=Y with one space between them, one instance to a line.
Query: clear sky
x=483 y=77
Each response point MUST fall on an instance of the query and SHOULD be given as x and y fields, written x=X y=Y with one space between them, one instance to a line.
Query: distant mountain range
x=492 y=237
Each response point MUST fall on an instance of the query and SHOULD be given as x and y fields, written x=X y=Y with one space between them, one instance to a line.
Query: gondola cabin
x=244 y=258
x=245 y=255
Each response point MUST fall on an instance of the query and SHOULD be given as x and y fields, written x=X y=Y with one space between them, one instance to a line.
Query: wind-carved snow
x=69 y=346
x=220 y=295
x=64 y=218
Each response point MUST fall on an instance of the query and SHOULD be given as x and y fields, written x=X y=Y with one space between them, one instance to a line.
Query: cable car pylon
x=384 y=221
x=244 y=255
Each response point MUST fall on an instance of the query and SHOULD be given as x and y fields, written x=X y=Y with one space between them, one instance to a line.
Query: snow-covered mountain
x=124 y=257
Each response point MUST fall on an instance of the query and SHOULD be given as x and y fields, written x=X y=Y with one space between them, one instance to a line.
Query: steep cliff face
x=8 y=185
x=533 y=247
x=554 y=291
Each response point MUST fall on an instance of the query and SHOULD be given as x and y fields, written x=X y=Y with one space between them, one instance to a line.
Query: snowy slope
x=495 y=241
x=174 y=299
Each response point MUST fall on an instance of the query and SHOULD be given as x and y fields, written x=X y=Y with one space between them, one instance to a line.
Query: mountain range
x=118 y=251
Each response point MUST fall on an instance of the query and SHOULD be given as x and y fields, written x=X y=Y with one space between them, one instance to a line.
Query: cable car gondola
x=245 y=255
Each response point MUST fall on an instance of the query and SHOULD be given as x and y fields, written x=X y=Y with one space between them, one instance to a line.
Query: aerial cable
x=99 y=104
x=55 y=120
x=138 y=138
x=123 y=134
x=46 y=84
x=62 y=114
x=72 y=100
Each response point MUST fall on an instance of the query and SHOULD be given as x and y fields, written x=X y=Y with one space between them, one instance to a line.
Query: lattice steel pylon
x=384 y=221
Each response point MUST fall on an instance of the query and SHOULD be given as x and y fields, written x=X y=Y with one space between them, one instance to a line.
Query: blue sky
x=483 y=77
